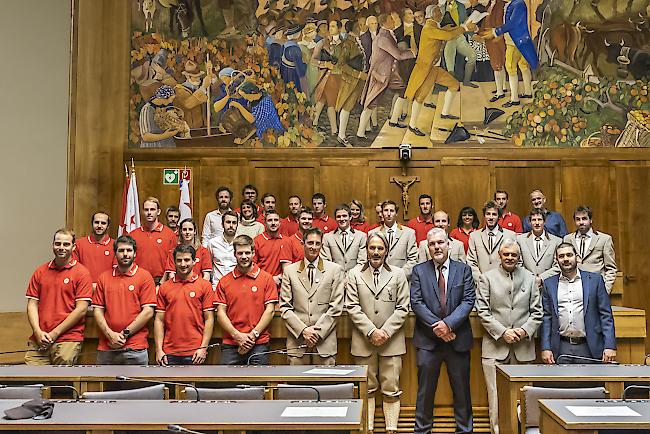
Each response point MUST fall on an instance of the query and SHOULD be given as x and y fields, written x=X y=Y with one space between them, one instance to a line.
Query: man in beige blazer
x=538 y=248
x=311 y=301
x=402 y=250
x=377 y=302
x=483 y=252
x=509 y=307
x=595 y=249
x=344 y=246
x=456 y=248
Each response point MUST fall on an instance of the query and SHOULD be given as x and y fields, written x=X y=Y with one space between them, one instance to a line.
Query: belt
x=573 y=341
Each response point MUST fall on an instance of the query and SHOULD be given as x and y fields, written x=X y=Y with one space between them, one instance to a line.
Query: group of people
x=346 y=60
x=249 y=262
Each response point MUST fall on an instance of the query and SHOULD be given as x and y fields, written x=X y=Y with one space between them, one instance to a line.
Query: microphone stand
x=77 y=395
x=146 y=380
x=178 y=428
x=632 y=387
x=587 y=359
x=280 y=351
x=284 y=386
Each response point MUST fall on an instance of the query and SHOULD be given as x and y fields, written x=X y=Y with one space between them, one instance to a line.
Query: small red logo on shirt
x=159 y=241
x=254 y=289
x=509 y=224
x=106 y=253
x=192 y=294
x=325 y=227
x=66 y=280
x=131 y=287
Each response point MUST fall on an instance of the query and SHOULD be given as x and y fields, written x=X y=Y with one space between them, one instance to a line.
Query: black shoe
x=344 y=141
x=430 y=105
x=402 y=117
x=396 y=125
x=504 y=90
x=416 y=131
x=455 y=118
x=496 y=98
x=470 y=84
x=511 y=104
x=526 y=96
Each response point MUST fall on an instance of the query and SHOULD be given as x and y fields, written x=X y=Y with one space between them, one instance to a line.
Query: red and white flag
x=125 y=192
x=130 y=207
x=185 y=201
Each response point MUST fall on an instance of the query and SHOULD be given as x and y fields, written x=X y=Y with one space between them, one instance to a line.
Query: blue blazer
x=516 y=24
x=425 y=303
x=599 y=322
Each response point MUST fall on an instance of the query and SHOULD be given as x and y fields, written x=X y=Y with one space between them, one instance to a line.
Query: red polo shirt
x=270 y=253
x=324 y=223
x=363 y=227
x=296 y=247
x=97 y=257
x=57 y=291
x=183 y=302
x=288 y=226
x=421 y=227
x=512 y=222
x=461 y=235
x=153 y=247
x=245 y=297
x=202 y=263
x=122 y=296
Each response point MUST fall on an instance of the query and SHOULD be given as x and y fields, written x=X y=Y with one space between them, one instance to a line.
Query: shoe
x=526 y=96
x=416 y=131
x=396 y=125
x=345 y=142
x=511 y=104
x=455 y=118
x=504 y=90
x=470 y=84
x=402 y=117
x=362 y=137
x=496 y=98
x=430 y=105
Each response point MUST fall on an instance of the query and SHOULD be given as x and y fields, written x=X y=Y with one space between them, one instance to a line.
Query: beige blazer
x=456 y=251
x=384 y=307
x=599 y=257
x=346 y=256
x=503 y=303
x=545 y=265
x=303 y=305
x=479 y=257
x=403 y=252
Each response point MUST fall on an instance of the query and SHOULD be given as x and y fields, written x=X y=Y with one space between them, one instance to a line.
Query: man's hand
x=538 y=281
x=547 y=357
x=471 y=26
x=43 y=339
x=379 y=337
x=448 y=337
x=116 y=340
x=245 y=341
x=441 y=329
x=487 y=34
x=311 y=336
x=510 y=336
x=609 y=356
x=161 y=358
x=521 y=333
x=477 y=38
x=199 y=356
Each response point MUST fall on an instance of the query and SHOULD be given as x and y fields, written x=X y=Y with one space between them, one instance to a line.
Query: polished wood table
x=511 y=378
x=556 y=416
x=139 y=415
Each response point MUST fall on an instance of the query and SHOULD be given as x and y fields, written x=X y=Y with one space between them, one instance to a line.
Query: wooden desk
x=511 y=378
x=105 y=416
x=556 y=418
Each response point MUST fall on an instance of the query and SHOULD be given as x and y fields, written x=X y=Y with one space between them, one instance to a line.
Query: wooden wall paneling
x=213 y=173
x=342 y=180
x=520 y=178
x=150 y=183
x=286 y=178
x=463 y=182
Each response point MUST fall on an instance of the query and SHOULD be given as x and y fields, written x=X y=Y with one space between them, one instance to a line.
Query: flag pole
x=208 y=102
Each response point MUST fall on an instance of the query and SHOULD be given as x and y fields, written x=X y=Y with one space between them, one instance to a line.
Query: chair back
x=327 y=391
x=230 y=393
x=29 y=391
x=159 y=391
x=532 y=394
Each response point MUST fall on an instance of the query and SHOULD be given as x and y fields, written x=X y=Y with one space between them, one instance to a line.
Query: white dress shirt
x=223 y=257
x=570 y=307
x=212 y=226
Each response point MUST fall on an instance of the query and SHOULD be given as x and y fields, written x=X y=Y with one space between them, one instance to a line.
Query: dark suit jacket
x=366 y=42
x=599 y=322
x=417 y=31
x=425 y=303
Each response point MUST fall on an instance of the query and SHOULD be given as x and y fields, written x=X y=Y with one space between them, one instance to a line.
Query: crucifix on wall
x=405 y=182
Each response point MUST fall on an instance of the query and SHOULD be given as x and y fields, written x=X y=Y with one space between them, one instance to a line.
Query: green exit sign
x=171 y=176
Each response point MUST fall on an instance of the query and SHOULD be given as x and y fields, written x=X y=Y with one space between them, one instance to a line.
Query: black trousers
x=429 y=364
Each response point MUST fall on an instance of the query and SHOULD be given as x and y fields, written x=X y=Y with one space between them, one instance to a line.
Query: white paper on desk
x=476 y=17
x=588 y=411
x=329 y=371
x=315 y=412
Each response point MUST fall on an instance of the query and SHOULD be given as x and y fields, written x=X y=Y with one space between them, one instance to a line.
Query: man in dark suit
x=578 y=317
x=442 y=297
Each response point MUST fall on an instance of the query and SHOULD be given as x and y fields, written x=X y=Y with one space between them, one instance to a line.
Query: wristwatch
x=126 y=332
x=256 y=333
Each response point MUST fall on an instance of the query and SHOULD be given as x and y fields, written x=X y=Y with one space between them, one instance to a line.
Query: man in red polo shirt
x=268 y=204
x=95 y=251
x=295 y=241
x=289 y=225
x=124 y=302
x=508 y=219
x=184 y=314
x=271 y=249
x=58 y=296
x=321 y=220
x=423 y=223
x=245 y=300
x=154 y=240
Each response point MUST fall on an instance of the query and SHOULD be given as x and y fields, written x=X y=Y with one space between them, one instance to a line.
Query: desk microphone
x=77 y=395
x=632 y=387
x=178 y=428
x=284 y=386
x=280 y=351
x=146 y=380
x=587 y=359
x=207 y=347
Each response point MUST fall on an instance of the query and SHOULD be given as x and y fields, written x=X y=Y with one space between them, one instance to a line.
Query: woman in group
x=262 y=114
x=248 y=224
x=466 y=224
x=187 y=235
x=358 y=219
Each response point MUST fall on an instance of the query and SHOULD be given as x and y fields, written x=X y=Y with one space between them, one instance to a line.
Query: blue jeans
x=178 y=360
x=126 y=357
x=230 y=356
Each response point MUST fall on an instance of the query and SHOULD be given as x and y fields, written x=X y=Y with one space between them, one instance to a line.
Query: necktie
x=345 y=241
x=375 y=273
x=583 y=239
x=310 y=274
x=390 y=238
x=490 y=241
x=442 y=288
x=538 y=245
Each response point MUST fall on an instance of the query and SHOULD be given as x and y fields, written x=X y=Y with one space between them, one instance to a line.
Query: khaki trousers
x=62 y=353
x=490 y=373
x=312 y=359
x=383 y=374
